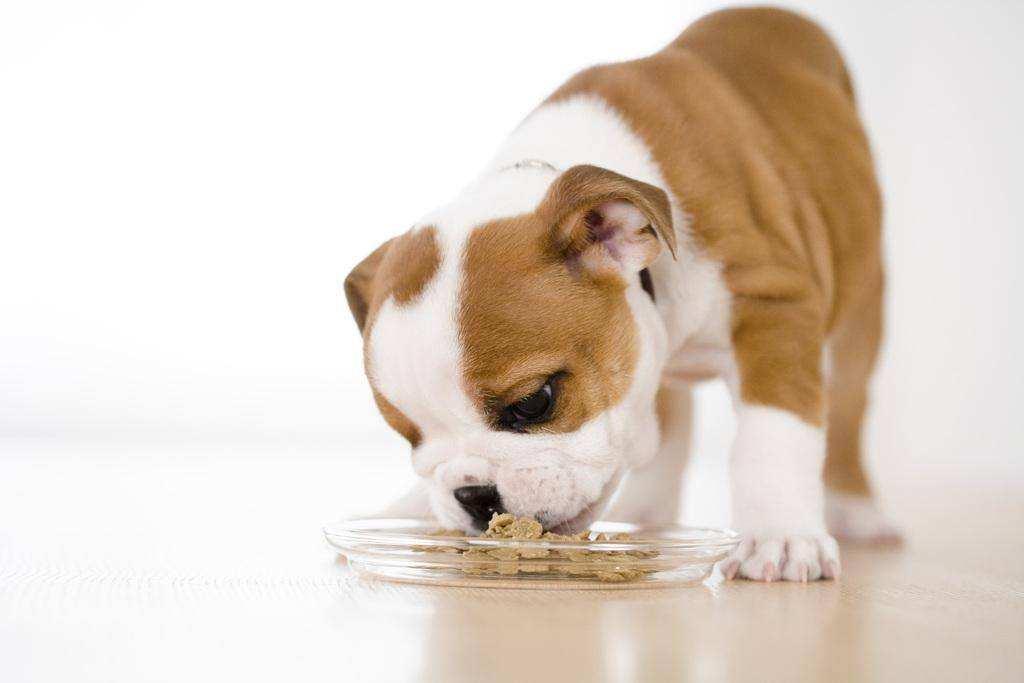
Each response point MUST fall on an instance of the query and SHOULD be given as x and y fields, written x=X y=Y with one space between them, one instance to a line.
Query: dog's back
x=789 y=69
x=752 y=111
x=743 y=42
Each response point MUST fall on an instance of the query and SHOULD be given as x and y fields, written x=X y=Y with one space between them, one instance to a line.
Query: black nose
x=481 y=502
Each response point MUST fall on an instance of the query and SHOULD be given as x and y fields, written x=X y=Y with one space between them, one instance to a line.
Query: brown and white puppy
x=708 y=211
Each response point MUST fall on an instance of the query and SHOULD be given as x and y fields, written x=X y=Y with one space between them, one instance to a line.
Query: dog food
x=615 y=566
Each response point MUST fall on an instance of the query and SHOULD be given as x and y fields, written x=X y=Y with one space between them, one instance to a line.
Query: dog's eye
x=533 y=409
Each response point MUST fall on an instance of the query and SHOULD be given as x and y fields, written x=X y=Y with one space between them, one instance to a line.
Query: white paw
x=857 y=519
x=785 y=558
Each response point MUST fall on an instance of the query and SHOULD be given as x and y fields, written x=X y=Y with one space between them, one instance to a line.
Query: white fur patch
x=778 y=499
x=776 y=464
x=580 y=130
x=414 y=351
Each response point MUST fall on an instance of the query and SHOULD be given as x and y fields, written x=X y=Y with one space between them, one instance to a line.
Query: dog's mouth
x=585 y=517
x=577 y=524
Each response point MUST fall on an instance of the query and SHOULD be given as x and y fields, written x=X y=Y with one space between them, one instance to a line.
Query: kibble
x=614 y=567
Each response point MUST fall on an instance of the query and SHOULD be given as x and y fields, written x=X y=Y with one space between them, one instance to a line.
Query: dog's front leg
x=414 y=503
x=779 y=451
x=651 y=493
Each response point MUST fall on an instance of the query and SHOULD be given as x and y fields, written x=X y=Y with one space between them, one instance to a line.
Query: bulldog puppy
x=708 y=211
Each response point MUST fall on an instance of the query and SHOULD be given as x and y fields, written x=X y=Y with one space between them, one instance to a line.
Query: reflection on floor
x=137 y=565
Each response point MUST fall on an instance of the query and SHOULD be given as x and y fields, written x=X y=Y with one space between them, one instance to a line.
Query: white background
x=184 y=185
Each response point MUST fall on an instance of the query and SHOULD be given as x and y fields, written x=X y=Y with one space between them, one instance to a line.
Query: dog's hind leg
x=852 y=350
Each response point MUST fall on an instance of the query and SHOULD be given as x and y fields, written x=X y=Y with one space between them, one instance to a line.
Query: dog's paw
x=858 y=519
x=783 y=558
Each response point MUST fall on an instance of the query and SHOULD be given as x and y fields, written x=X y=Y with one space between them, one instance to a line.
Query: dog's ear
x=359 y=284
x=606 y=223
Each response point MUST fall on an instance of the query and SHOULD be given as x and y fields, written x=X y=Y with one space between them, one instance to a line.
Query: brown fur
x=751 y=117
x=533 y=304
x=398 y=420
x=401 y=267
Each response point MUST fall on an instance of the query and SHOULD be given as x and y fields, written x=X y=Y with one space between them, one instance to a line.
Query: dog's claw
x=782 y=558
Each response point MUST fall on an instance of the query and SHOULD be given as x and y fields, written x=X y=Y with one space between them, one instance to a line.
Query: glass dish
x=408 y=550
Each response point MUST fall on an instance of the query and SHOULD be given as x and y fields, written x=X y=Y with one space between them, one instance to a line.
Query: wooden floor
x=161 y=567
x=923 y=612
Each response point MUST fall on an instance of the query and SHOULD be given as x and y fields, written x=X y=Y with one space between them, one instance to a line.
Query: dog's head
x=515 y=352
